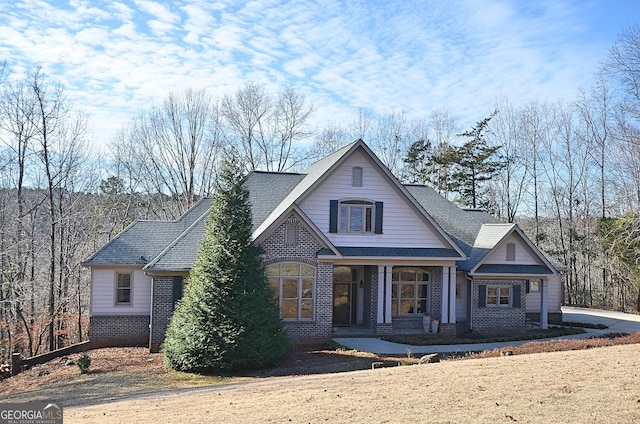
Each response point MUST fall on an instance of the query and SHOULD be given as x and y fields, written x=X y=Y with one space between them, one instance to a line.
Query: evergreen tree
x=477 y=162
x=426 y=164
x=227 y=320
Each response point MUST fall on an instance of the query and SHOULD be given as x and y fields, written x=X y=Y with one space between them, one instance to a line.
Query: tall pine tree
x=476 y=163
x=227 y=320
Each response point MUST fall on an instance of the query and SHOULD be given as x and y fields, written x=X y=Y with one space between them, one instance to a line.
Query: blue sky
x=117 y=58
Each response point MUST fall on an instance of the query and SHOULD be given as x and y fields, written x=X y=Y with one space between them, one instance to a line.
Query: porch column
x=387 y=300
x=544 y=319
x=444 y=313
x=452 y=295
x=380 y=315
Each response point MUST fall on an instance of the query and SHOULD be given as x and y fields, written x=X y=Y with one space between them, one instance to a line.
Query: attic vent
x=356 y=176
x=292 y=233
x=511 y=251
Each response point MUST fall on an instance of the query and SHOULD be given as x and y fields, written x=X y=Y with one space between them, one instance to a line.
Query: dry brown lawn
x=587 y=386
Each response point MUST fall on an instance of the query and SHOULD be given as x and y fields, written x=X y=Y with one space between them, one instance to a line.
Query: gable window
x=123 y=289
x=293 y=285
x=410 y=292
x=356 y=216
x=356 y=176
x=511 y=251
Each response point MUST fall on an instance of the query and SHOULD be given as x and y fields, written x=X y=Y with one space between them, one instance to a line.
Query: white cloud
x=117 y=58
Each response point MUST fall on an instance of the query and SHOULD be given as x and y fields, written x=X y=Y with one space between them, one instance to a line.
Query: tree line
x=567 y=172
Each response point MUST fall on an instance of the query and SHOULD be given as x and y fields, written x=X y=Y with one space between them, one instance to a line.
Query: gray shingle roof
x=145 y=239
x=267 y=190
x=464 y=225
x=172 y=246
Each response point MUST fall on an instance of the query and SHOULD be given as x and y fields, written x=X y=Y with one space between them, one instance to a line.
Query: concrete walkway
x=616 y=321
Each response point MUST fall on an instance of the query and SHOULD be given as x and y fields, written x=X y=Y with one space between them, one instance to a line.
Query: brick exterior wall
x=552 y=317
x=277 y=250
x=119 y=330
x=161 y=310
x=498 y=319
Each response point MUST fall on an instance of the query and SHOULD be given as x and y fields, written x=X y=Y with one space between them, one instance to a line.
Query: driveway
x=617 y=322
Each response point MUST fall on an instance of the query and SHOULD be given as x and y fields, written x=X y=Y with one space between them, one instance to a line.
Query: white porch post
x=387 y=303
x=544 y=320
x=380 y=316
x=444 y=318
x=452 y=295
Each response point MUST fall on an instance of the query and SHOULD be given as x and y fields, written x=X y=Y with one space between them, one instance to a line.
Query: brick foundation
x=120 y=330
x=552 y=317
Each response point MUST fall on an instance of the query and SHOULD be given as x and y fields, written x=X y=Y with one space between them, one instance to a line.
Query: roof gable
x=321 y=175
x=490 y=252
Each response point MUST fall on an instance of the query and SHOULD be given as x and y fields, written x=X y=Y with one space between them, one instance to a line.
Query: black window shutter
x=378 y=226
x=527 y=288
x=516 y=296
x=177 y=289
x=333 y=216
x=482 y=295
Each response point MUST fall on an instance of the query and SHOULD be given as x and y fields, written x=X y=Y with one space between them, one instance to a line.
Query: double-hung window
x=356 y=216
x=293 y=286
x=123 y=289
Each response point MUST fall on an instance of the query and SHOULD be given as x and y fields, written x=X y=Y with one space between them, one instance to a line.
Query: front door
x=342 y=303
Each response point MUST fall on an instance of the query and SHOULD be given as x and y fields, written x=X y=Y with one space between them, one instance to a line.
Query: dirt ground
x=587 y=386
x=591 y=380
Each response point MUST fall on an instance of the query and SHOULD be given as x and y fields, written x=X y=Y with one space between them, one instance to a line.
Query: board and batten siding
x=103 y=292
x=523 y=255
x=553 y=289
x=402 y=226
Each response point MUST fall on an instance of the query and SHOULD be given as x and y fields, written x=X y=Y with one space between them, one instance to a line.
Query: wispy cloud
x=117 y=58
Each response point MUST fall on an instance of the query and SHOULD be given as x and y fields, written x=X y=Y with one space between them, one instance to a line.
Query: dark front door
x=341 y=304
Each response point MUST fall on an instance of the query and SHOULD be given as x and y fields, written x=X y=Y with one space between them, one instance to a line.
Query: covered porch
x=394 y=297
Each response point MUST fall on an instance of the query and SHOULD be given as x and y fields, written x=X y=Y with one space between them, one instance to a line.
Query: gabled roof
x=322 y=169
x=477 y=233
x=316 y=172
x=492 y=236
x=470 y=234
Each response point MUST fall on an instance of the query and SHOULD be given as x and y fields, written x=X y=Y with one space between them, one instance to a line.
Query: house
x=344 y=244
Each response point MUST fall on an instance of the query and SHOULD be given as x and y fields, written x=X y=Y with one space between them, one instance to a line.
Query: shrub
x=84 y=361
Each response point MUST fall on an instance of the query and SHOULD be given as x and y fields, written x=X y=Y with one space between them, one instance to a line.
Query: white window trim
x=117 y=288
x=416 y=284
x=350 y=204
x=299 y=277
x=498 y=304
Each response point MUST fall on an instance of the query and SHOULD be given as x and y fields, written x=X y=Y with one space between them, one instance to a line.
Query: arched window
x=294 y=287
